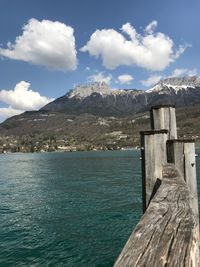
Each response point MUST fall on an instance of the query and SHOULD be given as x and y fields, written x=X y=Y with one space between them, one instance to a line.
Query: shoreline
x=72 y=151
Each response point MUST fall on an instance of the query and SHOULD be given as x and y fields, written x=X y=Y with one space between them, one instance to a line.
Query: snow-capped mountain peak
x=178 y=83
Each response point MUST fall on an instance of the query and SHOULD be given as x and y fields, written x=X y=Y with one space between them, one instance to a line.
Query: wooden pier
x=168 y=233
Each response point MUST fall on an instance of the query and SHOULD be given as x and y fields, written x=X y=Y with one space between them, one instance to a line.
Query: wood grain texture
x=164 y=117
x=154 y=156
x=190 y=176
x=167 y=235
x=182 y=154
x=175 y=154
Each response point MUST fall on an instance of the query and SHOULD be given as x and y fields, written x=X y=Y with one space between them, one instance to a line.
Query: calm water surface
x=67 y=209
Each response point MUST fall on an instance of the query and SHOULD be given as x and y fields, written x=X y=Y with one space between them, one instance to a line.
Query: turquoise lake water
x=68 y=209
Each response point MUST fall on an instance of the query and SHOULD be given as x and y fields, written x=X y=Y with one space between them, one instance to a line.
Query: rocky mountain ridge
x=180 y=83
x=98 y=99
x=82 y=91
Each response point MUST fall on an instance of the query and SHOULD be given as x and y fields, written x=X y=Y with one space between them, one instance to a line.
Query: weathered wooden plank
x=164 y=117
x=153 y=155
x=182 y=154
x=190 y=176
x=167 y=235
x=172 y=120
x=175 y=154
x=148 y=167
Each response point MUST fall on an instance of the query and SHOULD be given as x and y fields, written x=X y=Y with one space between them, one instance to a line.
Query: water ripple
x=67 y=209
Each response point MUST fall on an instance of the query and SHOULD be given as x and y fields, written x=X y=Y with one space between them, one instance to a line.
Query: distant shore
x=73 y=150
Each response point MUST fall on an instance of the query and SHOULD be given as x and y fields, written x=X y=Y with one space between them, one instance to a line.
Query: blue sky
x=48 y=46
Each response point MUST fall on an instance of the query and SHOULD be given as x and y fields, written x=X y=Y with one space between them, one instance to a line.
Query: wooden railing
x=168 y=233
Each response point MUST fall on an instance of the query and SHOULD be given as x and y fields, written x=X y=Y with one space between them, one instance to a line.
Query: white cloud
x=47 y=43
x=100 y=77
x=152 y=80
x=9 y=112
x=130 y=31
x=184 y=72
x=152 y=51
x=125 y=79
x=151 y=27
x=181 y=50
x=21 y=99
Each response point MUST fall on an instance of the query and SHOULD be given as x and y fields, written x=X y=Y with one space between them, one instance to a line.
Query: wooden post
x=153 y=153
x=190 y=176
x=164 y=117
x=182 y=154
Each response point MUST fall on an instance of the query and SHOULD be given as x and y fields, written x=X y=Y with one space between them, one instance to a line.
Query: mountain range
x=98 y=99
x=94 y=116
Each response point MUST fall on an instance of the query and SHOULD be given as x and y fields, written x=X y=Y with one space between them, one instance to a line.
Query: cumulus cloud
x=100 y=77
x=152 y=80
x=47 y=43
x=184 y=72
x=150 y=50
x=21 y=99
x=9 y=112
x=125 y=79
